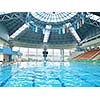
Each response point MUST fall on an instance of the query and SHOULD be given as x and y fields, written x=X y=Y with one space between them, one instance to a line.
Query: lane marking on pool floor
x=5 y=81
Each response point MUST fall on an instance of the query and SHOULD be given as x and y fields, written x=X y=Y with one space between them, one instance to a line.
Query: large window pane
x=15 y=48
x=24 y=50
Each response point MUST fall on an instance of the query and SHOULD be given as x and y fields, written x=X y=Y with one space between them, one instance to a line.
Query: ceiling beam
x=10 y=16
x=92 y=19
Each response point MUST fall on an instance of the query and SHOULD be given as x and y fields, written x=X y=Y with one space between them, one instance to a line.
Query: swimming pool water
x=50 y=74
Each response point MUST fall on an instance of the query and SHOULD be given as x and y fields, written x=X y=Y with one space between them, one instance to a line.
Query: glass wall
x=32 y=54
x=50 y=55
x=66 y=54
x=57 y=55
x=36 y=54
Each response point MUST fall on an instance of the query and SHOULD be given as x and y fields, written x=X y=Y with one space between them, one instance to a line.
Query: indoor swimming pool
x=50 y=74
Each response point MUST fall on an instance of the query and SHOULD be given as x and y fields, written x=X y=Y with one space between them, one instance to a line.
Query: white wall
x=4 y=32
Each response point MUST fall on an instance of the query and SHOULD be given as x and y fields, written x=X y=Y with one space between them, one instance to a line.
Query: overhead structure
x=56 y=19
x=31 y=27
x=53 y=16
x=93 y=19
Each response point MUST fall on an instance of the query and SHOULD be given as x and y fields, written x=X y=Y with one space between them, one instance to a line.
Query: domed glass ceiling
x=53 y=16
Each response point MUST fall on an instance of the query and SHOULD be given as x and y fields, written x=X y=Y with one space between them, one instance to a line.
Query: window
x=15 y=48
x=24 y=51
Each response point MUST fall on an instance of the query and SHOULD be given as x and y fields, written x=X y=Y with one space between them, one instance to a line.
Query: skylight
x=46 y=36
x=73 y=31
x=53 y=16
x=19 y=31
x=46 y=33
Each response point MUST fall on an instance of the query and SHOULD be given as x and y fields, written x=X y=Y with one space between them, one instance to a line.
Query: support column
x=28 y=53
x=36 y=54
x=62 y=55
x=53 y=54
x=10 y=56
x=70 y=53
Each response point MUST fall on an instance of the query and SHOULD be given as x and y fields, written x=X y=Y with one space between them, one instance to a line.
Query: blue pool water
x=50 y=74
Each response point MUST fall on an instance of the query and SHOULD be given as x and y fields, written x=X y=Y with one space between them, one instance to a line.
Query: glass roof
x=53 y=16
